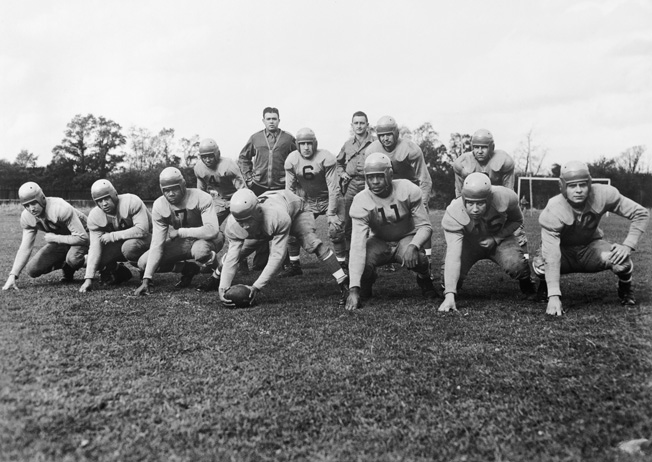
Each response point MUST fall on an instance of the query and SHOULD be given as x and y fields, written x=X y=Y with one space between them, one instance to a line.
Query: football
x=238 y=294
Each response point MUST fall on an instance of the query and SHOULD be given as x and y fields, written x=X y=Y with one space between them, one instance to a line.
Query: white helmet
x=387 y=124
x=377 y=162
x=172 y=176
x=573 y=172
x=477 y=186
x=243 y=204
x=103 y=188
x=209 y=146
x=306 y=135
x=30 y=192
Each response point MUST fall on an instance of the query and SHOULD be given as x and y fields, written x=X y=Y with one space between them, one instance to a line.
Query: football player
x=480 y=225
x=272 y=218
x=407 y=159
x=218 y=176
x=350 y=167
x=120 y=229
x=572 y=242
x=66 y=236
x=185 y=227
x=390 y=224
x=310 y=173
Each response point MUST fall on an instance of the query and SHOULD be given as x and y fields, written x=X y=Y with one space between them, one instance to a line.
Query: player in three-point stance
x=407 y=161
x=572 y=242
x=311 y=174
x=184 y=227
x=66 y=236
x=390 y=224
x=120 y=229
x=350 y=167
x=271 y=219
x=480 y=225
x=220 y=177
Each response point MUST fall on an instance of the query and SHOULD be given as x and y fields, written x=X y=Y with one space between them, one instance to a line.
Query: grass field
x=173 y=376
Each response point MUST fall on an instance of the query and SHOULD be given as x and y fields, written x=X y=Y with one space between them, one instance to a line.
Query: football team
x=374 y=195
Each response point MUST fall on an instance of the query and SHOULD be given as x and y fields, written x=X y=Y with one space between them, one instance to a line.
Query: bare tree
x=631 y=160
x=189 y=150
x=529 y=156
x=26 y=159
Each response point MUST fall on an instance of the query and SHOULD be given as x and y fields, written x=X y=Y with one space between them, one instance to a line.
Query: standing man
x=311 y=174
x=66 y=236
x=185 y=227
x=218 y=176
x=407 y=159
x=350 y=167
x=480 y=225
x=262 y=162
x=272 y=218
x=572 y=242
x=390 y=224
x=120 y=229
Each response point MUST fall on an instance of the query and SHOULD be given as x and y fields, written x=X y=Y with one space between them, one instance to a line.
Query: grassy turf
x=173 y=376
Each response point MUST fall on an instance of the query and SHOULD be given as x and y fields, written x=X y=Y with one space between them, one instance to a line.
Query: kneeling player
x=394 y=213
x=273 y=217
x=480 y=225
x=120 y=230
x=66 y=237
x=572 y=242
x=184 y=227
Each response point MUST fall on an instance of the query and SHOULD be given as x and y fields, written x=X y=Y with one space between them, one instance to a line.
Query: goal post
x=537 y=190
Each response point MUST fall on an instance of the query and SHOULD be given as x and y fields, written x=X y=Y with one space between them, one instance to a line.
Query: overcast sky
x=577 y=72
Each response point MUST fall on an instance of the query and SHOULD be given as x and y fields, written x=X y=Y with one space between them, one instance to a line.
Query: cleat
x=427 y=287
x=189 y=271
x=68 y=273
x=120 y=275
x=542 y=292
x=366 y=291
x=210 y=284
x=344 y=293
x=626 y=293
x=528 y=289
x=291 y=270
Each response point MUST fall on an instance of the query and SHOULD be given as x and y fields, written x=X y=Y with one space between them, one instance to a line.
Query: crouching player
x=184 y=227
x=272 y=217
x=480 y=225
x=66 y=237
x=572 y=242
x=394 y=213
x=311 y=174
x=120 y=229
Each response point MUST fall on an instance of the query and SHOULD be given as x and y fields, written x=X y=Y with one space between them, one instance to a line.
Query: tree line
x=96 y=147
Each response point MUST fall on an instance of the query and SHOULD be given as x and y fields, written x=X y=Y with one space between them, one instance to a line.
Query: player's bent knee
x=623 y=269
x=315 y=245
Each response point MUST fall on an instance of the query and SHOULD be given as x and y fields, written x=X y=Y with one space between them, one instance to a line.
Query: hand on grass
x=554 y=306
x=143 y=289
x=11 y=283
x=87 y=286
x=449 y=303
x=353 y=299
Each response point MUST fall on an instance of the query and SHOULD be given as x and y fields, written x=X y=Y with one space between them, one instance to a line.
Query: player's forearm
x=230 y=264
x=274 y=264
x=72 y=239
x=94 y=255
x=551 y=253
x=207 y=232
x=22 y=256
x=640 y=218
x=422 y=236
x=452 y=261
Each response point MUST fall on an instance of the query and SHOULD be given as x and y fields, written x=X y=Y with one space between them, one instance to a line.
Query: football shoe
x=292 y=270
x=189 y=271
x=68 y=273
x=209 y=284
x=427 y=287
x=626 y=293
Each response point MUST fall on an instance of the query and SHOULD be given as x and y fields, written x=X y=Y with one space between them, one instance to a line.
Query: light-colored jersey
x=194 y=217
x=408 y=163
x=222 y=181
x=60 y=218
x=131 y=221
x=313 y=179
x=279 y=208
x=502 y=218
x=499 y=169
x=391 y=218
x=562 y=226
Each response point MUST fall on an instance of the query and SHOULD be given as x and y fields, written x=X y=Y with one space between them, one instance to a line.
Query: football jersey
x=314 y=179
x=132 y=220
x=499 y=169
x=561 y=225
x=223 y=181
x=390 y=218
x=279 y=208
x=408 y=163
x=194 y=217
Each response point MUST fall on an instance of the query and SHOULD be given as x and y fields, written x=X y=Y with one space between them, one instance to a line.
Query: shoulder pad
x=501 y=161
x=602 y=196
x=455 y=217
x=502 y=198
x=557 y=214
